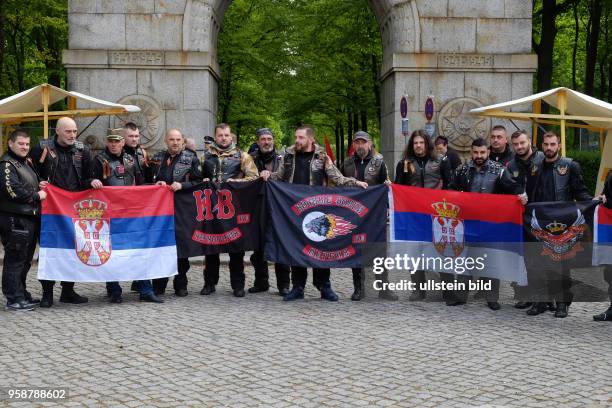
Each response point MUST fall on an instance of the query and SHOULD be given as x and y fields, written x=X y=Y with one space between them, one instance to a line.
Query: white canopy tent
x=576 y=110
x=33 y=105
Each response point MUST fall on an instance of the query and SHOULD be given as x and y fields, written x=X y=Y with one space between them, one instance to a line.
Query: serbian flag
x=602 y=237
x=111 y=234
x=456 y=232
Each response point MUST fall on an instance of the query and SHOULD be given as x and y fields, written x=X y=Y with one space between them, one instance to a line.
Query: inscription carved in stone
x=136 y=57
x=465 y=61
x=459 y=126
x=149 y=119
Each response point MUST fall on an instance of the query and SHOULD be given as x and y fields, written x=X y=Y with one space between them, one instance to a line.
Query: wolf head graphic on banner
x=92 y=232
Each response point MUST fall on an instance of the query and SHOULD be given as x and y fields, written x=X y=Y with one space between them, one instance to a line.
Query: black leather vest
x=182 y=167
x=520 y=170
x=141 y=158
x=561 y=174
x=480 y=183
x=429 y=177
x=272 y=164
x=317 y=168
x=29 y=180
x=222 y=170
x=116 y=172
x=49 y=166
x=371 y=173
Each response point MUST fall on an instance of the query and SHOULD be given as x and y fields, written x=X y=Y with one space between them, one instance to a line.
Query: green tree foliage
x=572 y=40
x=33 y=34
x=290 y=62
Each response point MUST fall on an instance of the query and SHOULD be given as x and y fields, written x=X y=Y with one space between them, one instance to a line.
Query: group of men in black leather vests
x=532 y=175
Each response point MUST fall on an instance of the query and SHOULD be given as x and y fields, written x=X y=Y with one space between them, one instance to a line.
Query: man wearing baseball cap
x=366 y=165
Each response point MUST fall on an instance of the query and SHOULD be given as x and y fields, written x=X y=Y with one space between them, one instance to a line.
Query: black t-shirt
x=66 y=175
x=545 y=189
x=301 y=173
x=166 y=170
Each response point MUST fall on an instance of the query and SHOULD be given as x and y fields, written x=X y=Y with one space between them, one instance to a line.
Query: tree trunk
x=350 y=128
x=342 y=151
x=364 y=121
x=592 y=46
x=576 y=132
x=575 y=45
x=545 y=48
x=376 y=89
x=227 y=95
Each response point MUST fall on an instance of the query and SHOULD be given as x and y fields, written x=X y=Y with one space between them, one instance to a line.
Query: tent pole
x=562 y=99
x=45 y=102
x=537 y=108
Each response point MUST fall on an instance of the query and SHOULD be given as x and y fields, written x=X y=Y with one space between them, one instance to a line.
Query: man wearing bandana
x=267 y=158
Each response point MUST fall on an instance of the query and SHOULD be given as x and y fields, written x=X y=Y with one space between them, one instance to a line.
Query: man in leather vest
x=306 y=163
x=606 y=197
x=131 y=134
x=485 y=176
x=265 y=157
x=555 y=178
x=114 y=167
x=20 y=198
x=447 y=152
x=524 y=168
x=65 y=163
x=369 y=166
x=176 y=168
x=224 y=162
x=421 y=167
x=500 y=149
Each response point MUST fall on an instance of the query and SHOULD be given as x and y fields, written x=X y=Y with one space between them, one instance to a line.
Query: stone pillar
x=466 y=53
x=162 y=56
x=157 y=54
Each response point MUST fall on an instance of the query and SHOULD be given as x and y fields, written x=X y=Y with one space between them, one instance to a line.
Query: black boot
x=357 y=285
x=562 y=309
x=537 y=308
x=605 y=316
x=47 y=299
x=68 y=295
x=522 y=305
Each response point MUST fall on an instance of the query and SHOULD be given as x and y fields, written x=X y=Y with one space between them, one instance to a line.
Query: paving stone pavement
x=259 y=351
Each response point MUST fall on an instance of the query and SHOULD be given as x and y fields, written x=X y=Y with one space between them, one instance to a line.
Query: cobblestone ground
x=222 y=351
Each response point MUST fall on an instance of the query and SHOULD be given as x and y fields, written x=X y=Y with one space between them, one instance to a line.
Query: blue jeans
x=144 y=288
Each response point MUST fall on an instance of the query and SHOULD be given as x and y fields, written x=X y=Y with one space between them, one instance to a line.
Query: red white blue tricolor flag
x=457 y=232
x=112 y=234
x=602 y=237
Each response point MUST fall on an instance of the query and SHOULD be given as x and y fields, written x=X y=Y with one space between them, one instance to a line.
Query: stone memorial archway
x=163 y=54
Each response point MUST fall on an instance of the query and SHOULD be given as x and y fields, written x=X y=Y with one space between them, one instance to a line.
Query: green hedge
x=589 y=161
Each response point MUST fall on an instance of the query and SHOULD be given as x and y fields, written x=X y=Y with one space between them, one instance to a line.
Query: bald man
x=65 y=163
x=178 y=168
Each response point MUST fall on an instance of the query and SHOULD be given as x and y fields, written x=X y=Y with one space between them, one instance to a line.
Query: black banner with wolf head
x=323 y=227
x=213 y=218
